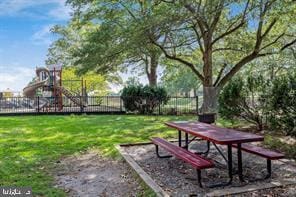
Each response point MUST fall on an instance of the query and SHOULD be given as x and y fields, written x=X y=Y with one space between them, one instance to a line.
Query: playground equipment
x=47 y=89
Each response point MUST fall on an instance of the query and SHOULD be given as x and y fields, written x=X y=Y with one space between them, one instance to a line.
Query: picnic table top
x=214 y=133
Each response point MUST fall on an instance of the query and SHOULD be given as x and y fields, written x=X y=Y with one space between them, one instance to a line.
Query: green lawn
x=29 y=146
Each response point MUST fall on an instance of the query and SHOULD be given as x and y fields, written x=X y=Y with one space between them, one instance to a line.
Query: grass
x=30 y=146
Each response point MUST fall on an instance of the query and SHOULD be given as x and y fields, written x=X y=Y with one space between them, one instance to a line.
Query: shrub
x=282 y=104
x=243 y=98
x=143 y=99
x=253 y=98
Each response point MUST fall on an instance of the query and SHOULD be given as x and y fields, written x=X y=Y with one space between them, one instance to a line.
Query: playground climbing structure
x=47 y=90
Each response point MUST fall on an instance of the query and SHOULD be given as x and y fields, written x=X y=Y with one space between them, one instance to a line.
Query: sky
x=25 y=37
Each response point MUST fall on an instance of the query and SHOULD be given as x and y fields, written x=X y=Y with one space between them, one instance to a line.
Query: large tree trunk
x=210 y=100
x=152 y=76
x=151 y=70
x=210 y=93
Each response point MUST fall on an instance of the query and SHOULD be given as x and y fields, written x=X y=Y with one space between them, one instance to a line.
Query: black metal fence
x=90 y=105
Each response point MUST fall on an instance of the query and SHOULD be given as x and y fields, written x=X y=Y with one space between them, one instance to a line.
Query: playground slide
x=30 y=90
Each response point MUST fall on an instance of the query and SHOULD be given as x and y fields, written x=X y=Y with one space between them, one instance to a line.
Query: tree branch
x=201 y=23
x=190 y=65
x=273 y=42
x=288 y=45
x=217 y=15
x=236 y=68
x=230 y=29
x=227 y=49
x=198 y=39
x=269 y=28
x=220 y=74
x=228 y=32
x=259 y=36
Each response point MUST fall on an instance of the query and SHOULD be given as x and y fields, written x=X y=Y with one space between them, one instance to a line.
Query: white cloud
x=43 y=36
x=18 y=8
x=61 y=12
x=15 y=77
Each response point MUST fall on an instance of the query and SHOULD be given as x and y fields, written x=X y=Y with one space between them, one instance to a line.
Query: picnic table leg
x=208 y=147
x=229 y=165
x=221 y=153
x=268 y=169
x=199 y=178
x=229 y=162
x=186 y=141
x=180 y=138
x=158 y=155
x=239 y=162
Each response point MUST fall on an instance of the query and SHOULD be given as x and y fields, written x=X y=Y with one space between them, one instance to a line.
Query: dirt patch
x=179 y=179
x=91 y=175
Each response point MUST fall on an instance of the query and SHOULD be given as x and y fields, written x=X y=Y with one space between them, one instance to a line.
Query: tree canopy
x=112 y=40
x=95 y=84
x=214 y=39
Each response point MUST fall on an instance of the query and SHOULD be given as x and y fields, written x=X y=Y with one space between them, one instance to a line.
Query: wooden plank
x=251 y=188
x=257 y=150
x=187 y=156
x=144 y=176
x=213 y=133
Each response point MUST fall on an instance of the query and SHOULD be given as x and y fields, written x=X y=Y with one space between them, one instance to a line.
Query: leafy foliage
x=96 y=84
x=107 y=38
x=223 y=36
x=177 y=80
x=143 y=99
x=282 y=103
x=244 y=98
x=256 y=99
x=215 y=39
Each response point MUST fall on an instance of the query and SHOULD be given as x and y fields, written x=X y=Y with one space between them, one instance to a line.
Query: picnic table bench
x=215 y=135
x=195 y=160
x=262 y=152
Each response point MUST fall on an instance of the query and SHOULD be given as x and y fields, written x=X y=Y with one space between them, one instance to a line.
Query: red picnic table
x=216 y=135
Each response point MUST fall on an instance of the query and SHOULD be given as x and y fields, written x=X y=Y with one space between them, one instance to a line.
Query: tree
x=132 y=81
x=223 y=35
x=273 y=66
x=117 y=42
x=245 y=98
x=282 y=103
x=63 y=50
x=240 y=31
x=95 y=84
x=178 y=80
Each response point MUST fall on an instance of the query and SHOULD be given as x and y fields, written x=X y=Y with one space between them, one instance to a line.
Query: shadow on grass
x=30 y=146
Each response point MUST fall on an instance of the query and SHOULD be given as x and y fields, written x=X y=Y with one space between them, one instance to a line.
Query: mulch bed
x=179 y=179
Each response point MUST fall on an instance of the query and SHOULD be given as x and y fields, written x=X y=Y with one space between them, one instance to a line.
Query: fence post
x=81 y=106
x=196 y=97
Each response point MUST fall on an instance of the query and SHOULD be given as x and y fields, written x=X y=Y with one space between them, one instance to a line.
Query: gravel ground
x=90 y=175
x=179 y=179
